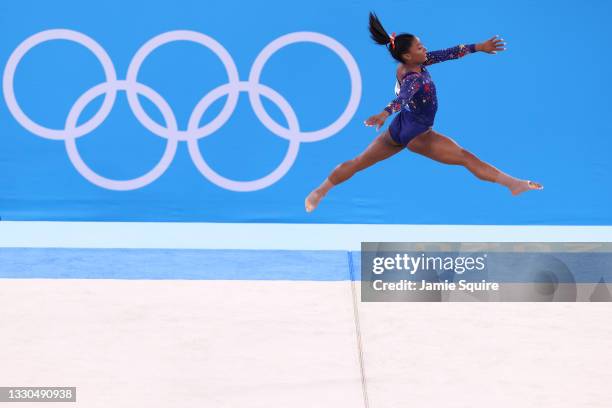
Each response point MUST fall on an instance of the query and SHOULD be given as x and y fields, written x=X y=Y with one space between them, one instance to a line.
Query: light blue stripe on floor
x=70 y=263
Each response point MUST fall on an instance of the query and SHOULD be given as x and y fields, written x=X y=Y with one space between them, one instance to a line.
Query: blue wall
x=539 y=110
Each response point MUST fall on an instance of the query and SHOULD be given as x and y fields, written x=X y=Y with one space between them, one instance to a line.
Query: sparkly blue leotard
x=416 y=97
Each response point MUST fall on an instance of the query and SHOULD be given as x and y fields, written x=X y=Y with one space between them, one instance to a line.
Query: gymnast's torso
x=416 y=99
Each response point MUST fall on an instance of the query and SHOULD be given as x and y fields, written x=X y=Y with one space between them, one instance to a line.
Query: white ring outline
x=198 y=38
x=121 y=185
x=8 y=84
x=333 y=45
x=243 y=186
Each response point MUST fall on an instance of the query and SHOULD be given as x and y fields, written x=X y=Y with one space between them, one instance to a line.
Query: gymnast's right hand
x=377 y=120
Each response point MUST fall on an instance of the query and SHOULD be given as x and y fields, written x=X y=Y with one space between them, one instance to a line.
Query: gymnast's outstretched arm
x=491 y=46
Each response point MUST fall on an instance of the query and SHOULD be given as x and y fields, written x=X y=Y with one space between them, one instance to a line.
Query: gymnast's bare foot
x=525 y=185
x=312 y=201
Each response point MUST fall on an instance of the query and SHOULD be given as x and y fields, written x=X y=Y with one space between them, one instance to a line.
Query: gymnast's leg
x=444 y=149
x=381 y=148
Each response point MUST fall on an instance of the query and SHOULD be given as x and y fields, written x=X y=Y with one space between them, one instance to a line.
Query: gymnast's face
x=417 y=54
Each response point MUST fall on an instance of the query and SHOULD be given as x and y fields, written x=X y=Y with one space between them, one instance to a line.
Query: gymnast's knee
x=464 y=156
x=354 y=165
x=351 y=164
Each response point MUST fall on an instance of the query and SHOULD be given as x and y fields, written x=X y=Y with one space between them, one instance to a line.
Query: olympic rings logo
x=171 y=132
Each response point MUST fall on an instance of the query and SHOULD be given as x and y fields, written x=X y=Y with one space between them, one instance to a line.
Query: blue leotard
x=416 y=97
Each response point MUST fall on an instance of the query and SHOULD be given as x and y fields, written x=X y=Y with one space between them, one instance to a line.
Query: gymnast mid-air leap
x=417 y=104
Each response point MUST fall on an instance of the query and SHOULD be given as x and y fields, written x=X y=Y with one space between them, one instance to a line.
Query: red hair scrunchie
x=392 y=40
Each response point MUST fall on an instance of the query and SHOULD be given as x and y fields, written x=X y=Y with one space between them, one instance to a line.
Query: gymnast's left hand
x=377 y=120
x=492 y=45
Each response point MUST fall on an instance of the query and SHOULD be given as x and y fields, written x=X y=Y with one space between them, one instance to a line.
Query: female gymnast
x=417 y=104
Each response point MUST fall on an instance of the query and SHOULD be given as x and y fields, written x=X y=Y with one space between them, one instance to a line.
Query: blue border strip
x=351 y=266
x=153 y=264
x=280 y=265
